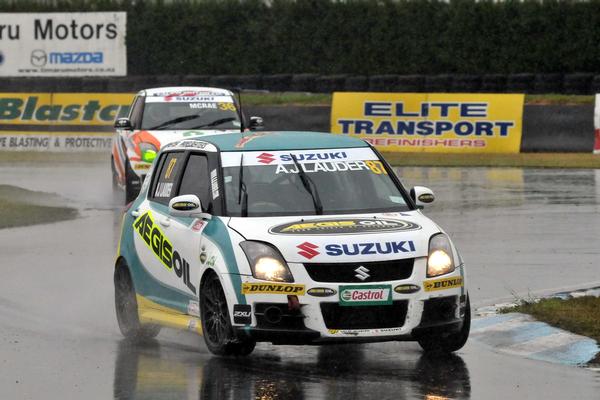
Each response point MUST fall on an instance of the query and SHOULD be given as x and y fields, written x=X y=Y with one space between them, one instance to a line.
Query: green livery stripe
x=218 y=233
x=145 y=284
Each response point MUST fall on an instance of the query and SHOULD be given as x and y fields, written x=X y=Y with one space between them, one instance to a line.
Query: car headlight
x=440 y=260
x=148 y=152
x=266 y=262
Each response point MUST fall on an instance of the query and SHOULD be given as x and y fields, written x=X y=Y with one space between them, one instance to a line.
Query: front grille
x=378 y=271
x=364 y=317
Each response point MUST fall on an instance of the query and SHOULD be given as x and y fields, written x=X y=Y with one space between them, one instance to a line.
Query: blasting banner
x=60 y=121
x=63 y=44
x=440 y=122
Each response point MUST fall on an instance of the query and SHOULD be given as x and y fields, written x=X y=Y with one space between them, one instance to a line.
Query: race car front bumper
x=290 y=329
x=318 y=320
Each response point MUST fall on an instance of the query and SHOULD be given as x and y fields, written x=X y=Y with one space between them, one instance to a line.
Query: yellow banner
x=63 y=108
x=440 y=122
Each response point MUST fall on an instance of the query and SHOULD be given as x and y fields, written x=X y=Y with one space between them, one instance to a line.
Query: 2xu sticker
x=162 y=248
x=441 y=284
x=272 y=288
x=242 y=314
x=343 y=226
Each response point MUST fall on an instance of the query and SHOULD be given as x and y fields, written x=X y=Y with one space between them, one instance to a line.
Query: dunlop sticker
x=272 y=288
x=441 y=284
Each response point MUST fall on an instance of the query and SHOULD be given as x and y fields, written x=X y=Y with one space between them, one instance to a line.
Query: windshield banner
x=63 y=44
x=60 y=121
x=264 y=158
x=421 y=122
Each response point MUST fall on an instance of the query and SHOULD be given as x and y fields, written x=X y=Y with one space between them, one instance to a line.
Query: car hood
x=165 y=137
x=336 y=238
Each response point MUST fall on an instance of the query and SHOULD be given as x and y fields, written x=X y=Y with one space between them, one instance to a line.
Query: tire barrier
x=578 y=84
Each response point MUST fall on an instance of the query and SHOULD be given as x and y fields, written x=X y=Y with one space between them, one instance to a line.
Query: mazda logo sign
x=38 y=58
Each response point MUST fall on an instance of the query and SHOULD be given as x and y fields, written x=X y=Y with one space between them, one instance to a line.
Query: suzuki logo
x=362 y=273
x=308 y=250
x=265 y=158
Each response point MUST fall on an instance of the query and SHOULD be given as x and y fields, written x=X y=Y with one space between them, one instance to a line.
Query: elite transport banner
x=63 y=44
x=60 y=121
x=440 y=122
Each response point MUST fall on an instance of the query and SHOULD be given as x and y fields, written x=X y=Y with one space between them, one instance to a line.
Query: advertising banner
x=63 y=44
x=60 y=121
x=440 y=122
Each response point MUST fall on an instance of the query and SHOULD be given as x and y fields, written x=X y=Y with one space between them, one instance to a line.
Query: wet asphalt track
x=520 y=231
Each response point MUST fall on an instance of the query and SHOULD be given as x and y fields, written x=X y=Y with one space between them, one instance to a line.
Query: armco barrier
x=545 y=128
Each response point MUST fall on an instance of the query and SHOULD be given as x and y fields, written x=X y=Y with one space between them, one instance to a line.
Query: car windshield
x=190 y=113
x=340 y=181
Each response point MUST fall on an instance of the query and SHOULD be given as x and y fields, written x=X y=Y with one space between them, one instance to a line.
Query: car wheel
x=448 y=343
x=127 y=309
x=216 y=324
x=132 y=184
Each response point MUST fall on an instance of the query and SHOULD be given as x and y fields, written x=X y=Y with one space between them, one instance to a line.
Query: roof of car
x=280 y=140
x=165 y=91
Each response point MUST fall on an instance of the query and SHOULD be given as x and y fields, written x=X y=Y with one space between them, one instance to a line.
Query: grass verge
x=578 y=315
x=21 y=207
x=526 y=160
x=10 y=157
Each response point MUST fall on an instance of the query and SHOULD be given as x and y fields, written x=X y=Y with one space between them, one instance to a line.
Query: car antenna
x=238 y=91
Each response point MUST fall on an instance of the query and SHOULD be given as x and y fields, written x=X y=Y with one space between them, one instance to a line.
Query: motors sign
x=63 y=44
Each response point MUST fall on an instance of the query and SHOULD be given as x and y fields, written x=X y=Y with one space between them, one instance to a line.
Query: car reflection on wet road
x=520 y=231
x=151 y=372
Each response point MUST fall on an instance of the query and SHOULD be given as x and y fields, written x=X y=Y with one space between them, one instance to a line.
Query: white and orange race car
x=164 y=115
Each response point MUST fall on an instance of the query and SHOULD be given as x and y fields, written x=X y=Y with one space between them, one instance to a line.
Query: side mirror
x=421 y=196
x=187 y=205
x=123 y=123
x=256 y=123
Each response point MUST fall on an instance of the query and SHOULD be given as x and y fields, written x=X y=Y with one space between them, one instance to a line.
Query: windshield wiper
x=242 y=198
x=174 y=121
x=310 y=187
x=215 y=123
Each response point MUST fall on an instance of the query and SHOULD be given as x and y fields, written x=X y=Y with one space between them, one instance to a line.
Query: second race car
x=162 y=115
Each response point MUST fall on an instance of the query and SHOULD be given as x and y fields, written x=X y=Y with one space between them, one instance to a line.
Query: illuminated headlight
x=439 y=261
x=266 y=262
x=148 y=152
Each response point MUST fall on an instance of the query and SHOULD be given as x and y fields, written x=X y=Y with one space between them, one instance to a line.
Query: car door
x=157 y=236
x=187 y=233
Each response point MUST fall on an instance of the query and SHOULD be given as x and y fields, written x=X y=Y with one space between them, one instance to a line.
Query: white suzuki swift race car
x=163 y=115
x=289 y=238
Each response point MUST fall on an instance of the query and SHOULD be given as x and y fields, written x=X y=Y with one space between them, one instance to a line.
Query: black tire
x=126 y=307
x=132 y=184
x=439 y=343
x=216 y=325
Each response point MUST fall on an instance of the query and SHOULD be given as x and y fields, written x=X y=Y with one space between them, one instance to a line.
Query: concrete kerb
x=522 y=335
